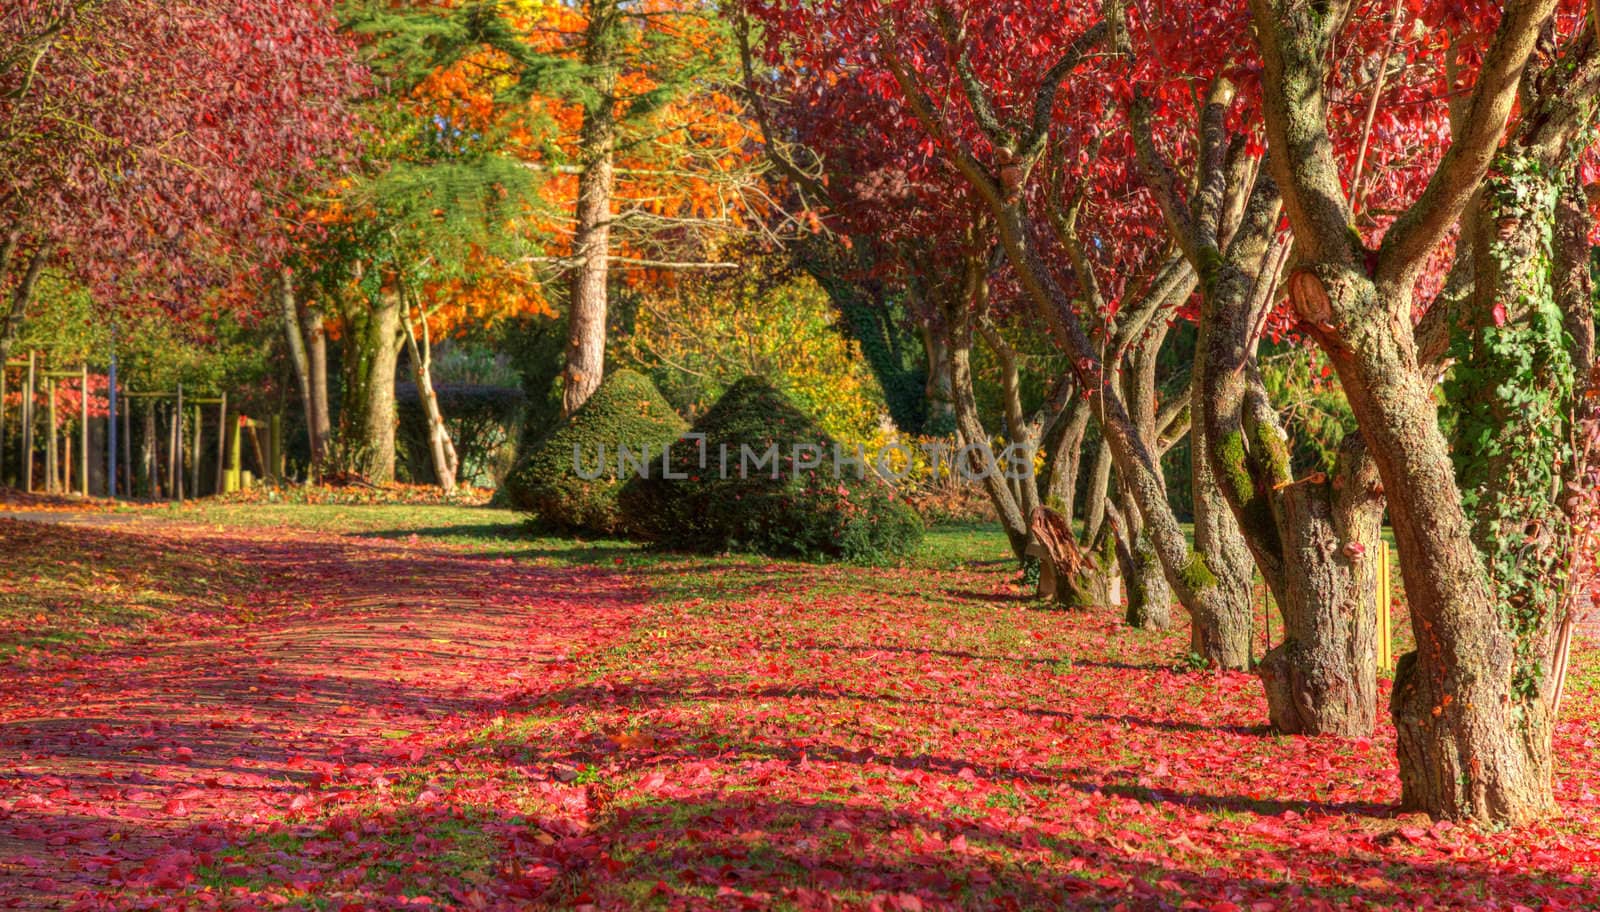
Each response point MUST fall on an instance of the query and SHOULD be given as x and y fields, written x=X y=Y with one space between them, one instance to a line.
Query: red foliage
x=391 y=724
x=151 y=141
x=895 y=179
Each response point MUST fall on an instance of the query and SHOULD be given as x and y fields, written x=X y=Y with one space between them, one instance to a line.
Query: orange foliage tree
x=627 y=116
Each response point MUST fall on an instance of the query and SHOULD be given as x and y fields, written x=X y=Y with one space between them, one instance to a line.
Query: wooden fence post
x=52 y=471
x=27 y=424
x=194 y=452
x=111 y=425
x=83 y=430
x=275 y=449
x=235 y=469
x=222 y=445
x=175 y=449
x=127 y=449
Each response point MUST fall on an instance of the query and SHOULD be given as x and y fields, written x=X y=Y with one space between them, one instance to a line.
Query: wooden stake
x=222 y=445
x=27 y=425
x=174 y=453
x=177 y=446
x=1563 y=654
x=52 y=466
x=83 y=431
x=235 y=468
x=127 y=450
x=1385 y=622
x=194 y=452
x=148 y=452
x=255 y=448
x=111 y=423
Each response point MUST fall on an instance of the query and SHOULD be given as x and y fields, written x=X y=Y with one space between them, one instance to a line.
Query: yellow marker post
x=1385 y=625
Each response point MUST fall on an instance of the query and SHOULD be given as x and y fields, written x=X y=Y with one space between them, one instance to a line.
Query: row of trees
x=372 y=176
x=1048 y=186
x=511 y=149
x=1401 y=184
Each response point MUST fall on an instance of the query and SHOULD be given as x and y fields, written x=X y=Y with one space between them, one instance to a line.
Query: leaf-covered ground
x=241 y=708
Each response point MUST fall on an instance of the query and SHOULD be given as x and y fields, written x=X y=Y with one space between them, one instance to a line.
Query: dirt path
x=367 y=658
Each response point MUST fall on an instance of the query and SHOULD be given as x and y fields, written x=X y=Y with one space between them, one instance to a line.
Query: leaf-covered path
x=337 y=665
x=297 y=719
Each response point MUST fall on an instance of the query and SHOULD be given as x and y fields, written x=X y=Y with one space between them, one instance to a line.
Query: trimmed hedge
x=807 y=513
x=626 y=410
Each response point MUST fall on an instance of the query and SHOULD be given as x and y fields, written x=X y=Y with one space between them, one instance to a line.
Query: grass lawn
x=343 y=708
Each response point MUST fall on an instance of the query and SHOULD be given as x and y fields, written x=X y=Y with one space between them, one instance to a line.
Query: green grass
x=85 y=588
x=955 y=544
x=945 y=546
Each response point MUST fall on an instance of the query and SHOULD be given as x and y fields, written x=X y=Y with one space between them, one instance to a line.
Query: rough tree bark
x=591 y=243
x=1149 y=597
x=957 y=309
x=1191 y=579
x=938 y=392
x=21 y=294
x=1473 y=736
x=1066 y=461
x=315 y=333
x=367 y=417
x=283 y=290
x=1308 y=536
x=1228 y=636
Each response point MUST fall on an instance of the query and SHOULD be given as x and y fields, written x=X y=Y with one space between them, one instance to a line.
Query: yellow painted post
x=1385 y=624
x=235 y=480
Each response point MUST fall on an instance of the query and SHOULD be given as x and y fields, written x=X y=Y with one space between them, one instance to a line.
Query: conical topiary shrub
x=626 y=410
x=722 y=495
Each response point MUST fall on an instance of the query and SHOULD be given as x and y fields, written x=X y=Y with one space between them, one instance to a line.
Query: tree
x=702 y=334
x=1482 y=546
x=1308 y=535
x=970 y=105
x=147 y=143
x=918 y=229
x=623 y=108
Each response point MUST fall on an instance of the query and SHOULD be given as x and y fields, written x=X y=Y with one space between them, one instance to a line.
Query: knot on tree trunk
x=1309 y=295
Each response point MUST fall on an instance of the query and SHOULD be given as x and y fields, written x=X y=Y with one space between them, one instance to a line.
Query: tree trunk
x=371 y=353
x=591 y=244
x=21 y=296
x=1322 y=678
x=938 y=392
x=1473 y=727
x=298 y=359
x=1310 y=536
x=1149 y=596
x=1472 y=706
x=959 y=345
x=1061 y=491
x=152 y=472
x=440 y=448
x=1225 y=638
x=1098 y=492
x=315 y=330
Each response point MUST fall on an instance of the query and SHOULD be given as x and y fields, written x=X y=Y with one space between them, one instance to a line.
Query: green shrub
x=809 y=513
x=626 y=410
x=483 y=422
